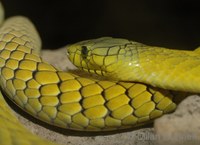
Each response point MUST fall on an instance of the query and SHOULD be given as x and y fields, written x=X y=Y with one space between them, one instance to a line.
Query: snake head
x=98 y=56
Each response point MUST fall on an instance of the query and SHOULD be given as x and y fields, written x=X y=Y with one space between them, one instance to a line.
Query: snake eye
x=84 y=52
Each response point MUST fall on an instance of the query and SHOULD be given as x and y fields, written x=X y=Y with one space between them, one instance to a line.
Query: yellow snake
x=74 y=102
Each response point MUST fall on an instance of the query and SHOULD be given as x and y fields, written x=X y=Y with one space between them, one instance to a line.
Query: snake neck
x=161 y=67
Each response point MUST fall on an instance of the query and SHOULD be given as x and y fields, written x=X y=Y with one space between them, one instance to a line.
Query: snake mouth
x=84 y=64
x=82 y=58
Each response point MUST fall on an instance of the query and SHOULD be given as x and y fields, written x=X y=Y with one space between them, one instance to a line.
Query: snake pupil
x=84 y=52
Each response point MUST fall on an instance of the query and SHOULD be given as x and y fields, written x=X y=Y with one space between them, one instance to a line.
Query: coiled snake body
x=73 y=102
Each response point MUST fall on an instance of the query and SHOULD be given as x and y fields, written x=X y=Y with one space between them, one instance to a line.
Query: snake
x=136 y=89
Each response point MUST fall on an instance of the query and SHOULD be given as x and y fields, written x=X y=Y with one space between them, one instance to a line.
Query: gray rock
x=183 y=126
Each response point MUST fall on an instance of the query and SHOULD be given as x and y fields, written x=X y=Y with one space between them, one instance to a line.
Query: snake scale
x=79 y=103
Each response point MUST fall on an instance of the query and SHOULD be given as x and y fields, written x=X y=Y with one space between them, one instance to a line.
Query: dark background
x=168 y=23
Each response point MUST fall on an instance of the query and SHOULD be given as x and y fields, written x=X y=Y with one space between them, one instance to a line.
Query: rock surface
x=181 y=127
